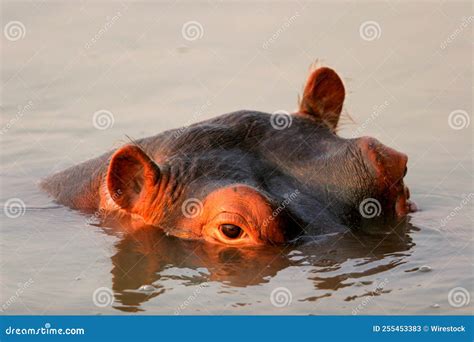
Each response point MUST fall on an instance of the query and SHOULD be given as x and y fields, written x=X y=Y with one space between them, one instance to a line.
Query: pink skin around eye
x=238 y=205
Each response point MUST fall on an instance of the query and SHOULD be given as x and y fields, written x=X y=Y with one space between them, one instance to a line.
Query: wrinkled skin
x=238 y=180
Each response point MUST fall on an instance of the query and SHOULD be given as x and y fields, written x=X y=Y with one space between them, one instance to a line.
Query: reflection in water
x=149 y=257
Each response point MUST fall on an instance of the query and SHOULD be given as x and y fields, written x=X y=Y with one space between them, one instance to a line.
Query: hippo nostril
x=389 y=165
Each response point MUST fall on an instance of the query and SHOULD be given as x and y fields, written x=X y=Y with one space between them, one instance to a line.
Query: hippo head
x=249 y=178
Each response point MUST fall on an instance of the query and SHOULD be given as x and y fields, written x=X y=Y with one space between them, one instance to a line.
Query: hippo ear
x=131 y=177
x=323 y=96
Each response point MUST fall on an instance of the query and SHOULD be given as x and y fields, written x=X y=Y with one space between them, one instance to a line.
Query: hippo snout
x=389 y=167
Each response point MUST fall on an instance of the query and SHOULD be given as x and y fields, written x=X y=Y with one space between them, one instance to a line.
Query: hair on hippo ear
x=131 y=177
x=323 y=96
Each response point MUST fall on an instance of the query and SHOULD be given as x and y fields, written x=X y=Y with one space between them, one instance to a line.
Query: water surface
x=132 y=60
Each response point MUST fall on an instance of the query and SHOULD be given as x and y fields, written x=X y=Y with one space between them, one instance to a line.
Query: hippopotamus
x=247 y=177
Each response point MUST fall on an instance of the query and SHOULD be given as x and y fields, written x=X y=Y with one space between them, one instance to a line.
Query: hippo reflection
x=247 y=178
x=149 y=257
x=143 y=255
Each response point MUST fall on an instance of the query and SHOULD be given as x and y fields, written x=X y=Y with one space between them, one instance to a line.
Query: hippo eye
x=231 y=231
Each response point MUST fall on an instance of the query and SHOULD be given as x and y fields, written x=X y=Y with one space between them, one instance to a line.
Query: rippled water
x=132 y=60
